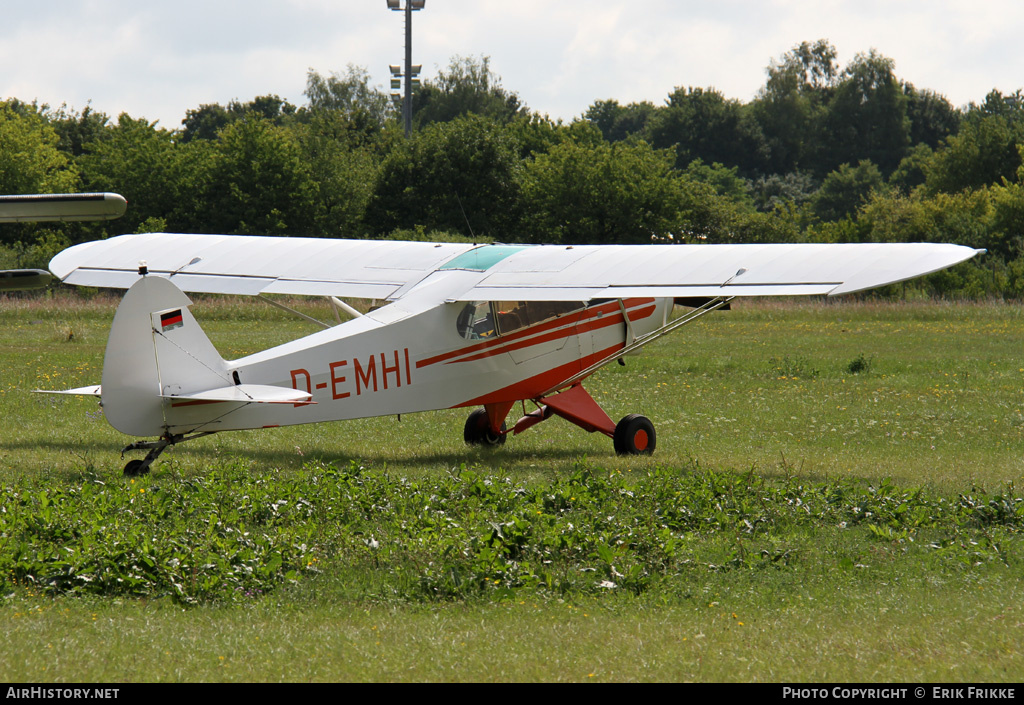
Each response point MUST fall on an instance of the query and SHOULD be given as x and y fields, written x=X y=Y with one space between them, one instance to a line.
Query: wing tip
x=943 y=256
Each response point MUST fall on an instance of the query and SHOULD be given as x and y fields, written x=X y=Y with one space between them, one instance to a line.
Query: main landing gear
x=633 y=435
x=478 y=430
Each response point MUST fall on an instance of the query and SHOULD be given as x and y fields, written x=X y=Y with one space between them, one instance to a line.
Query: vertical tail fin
x=155 y=349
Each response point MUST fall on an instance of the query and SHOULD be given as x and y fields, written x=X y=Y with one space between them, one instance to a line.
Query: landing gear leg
x=137 y=467
x=633 y=435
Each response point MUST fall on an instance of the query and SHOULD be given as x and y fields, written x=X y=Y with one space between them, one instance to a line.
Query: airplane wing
x=61 y=206
x=242 y=264
x=581 y=273
x=235 y=264
x=19 y=279
x=28 y=208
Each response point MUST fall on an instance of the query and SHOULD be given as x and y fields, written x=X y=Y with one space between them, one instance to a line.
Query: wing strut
x=341 y=305
x=292 y=310
x=630 y=335
x=336 y=305
x=711 y=305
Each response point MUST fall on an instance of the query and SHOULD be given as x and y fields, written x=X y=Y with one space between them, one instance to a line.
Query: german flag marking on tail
x=171 y=320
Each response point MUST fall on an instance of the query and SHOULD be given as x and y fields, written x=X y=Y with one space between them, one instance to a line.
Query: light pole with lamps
x=411 y=71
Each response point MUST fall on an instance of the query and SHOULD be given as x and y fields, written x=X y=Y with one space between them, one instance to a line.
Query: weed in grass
x=860 y=364
x=792 y=367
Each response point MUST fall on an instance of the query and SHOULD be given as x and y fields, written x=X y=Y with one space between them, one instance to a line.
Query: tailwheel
x=634 y=435
x=135 y=468
x=478 y=430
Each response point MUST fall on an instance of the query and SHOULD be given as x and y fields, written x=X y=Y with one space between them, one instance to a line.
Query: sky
x=156 y=59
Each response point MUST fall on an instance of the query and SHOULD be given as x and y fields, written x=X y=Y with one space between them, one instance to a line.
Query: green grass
x=792 y=633
x=761 y=542
x=941 y=402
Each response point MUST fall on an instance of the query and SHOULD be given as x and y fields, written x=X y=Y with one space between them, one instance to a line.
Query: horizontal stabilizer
x=247 y=394
x=93 y=390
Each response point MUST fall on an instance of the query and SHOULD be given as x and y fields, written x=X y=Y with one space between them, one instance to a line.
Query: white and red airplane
x=488 y=326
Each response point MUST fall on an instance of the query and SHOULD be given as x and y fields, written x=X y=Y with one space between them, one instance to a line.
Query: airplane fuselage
x=412 y=355
x=363 y=368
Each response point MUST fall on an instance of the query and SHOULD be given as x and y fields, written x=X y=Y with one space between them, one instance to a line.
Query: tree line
x=823 y=153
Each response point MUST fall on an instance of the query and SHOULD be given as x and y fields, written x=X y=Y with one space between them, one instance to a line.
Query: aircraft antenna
x=471 y=233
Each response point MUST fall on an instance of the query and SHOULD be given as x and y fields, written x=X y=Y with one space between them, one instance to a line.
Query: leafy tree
x=983 y=152
x=996 y=104
x=209 y=119
x=1008 y=220
x=602 y=193
x=845 y=190
x=36 y=251
x=468 y=86
x=617 y=122
x=137 y=160
x=810 y=66
x=913 y=169
x=30 y=161
x=724 y=180
x=867 y=116
x=964 y=218
x=536 y=134
x=703 y=124
x=779 y=190
x=459 y=176
x=363 y=107
x=76 y=130
x=257 y=182
x=932 y=117
x=205 y=122
x=194 y=193
x=343 y=173
x=791 y=108
x=343 y=135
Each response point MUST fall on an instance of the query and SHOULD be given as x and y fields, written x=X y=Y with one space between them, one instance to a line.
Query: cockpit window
x=485 y=319
x=475 y=321
x=513 y=315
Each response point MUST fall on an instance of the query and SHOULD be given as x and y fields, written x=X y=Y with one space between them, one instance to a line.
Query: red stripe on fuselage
x=592 y=325
x=538 y=384
x=562 y=327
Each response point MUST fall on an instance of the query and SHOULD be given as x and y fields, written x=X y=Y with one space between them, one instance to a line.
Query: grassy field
x=833 y=498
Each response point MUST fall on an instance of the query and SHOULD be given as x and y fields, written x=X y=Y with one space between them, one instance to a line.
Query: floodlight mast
x=410 y=71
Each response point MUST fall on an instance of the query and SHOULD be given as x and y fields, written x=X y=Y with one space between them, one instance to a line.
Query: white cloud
x=160 y=58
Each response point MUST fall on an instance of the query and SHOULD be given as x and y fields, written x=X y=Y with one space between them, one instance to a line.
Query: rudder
x=156 y=348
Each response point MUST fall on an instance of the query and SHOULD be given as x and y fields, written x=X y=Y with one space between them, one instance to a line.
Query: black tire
x=135 y=468
x=634 y=435
x=478 y=430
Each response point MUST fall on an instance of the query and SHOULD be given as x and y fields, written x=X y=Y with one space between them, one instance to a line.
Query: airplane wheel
x=135 y=468
x=478 y=430
x=634 y=435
